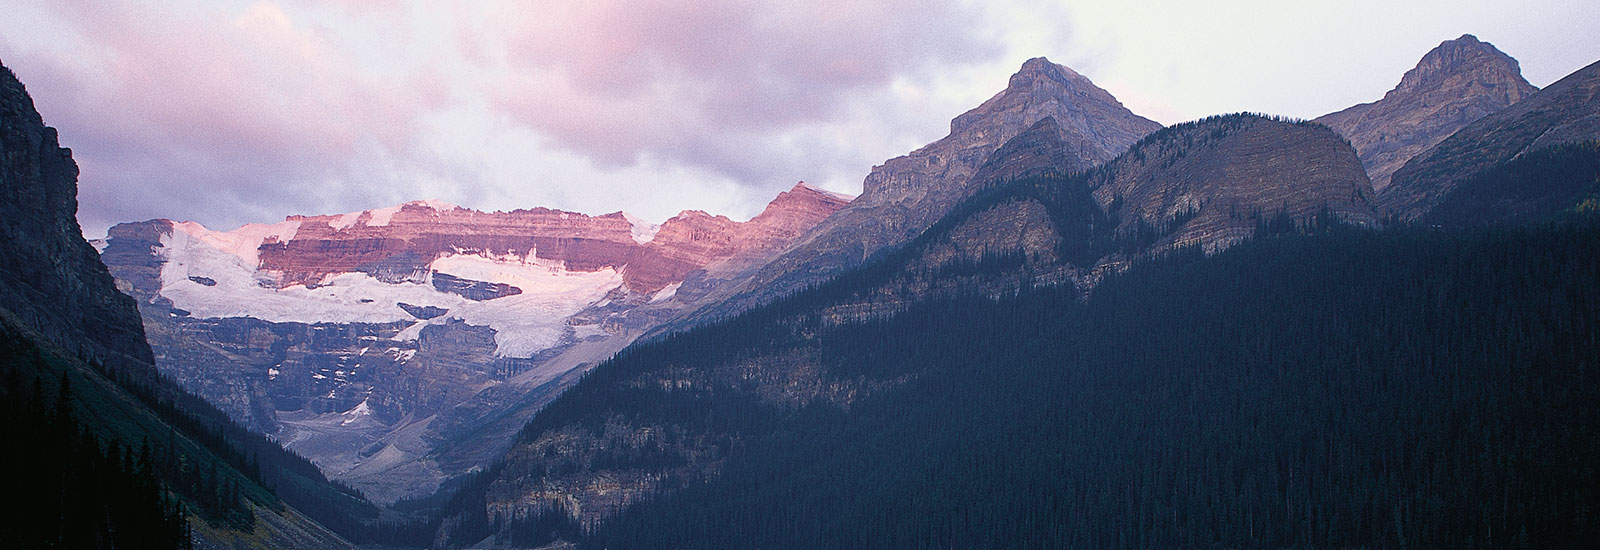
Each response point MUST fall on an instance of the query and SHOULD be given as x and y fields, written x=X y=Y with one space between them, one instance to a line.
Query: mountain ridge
x=1457 y=82
x=68 y=329
x=1204 y=185
x=908 y=193
x=49 y=276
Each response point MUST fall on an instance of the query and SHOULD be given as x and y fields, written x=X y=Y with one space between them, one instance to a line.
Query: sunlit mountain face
x=367 y=341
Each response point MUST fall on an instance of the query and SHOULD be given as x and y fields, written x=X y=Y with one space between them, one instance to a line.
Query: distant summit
x=1456 y=83
x=1465 y=62
x=1566 y=112
x=423 y=321
x=907 y=194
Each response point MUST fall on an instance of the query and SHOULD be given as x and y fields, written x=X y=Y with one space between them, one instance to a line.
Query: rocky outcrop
x=1458 y=82
x=1223 y=174
x=1567 y=111
x=905 y=195
x=400 y=346
x=51 y=280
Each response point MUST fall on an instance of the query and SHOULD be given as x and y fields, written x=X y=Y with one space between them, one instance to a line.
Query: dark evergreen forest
x=120 y=464
x=1554 y=183
x=1396 y=389
x=70 y=489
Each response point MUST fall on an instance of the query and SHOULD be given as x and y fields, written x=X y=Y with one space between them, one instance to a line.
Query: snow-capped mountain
x=368 y=340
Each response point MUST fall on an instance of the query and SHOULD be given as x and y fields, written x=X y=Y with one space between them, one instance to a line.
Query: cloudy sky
x=226 y=112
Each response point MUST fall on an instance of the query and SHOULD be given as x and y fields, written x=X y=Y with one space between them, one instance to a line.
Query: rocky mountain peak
x=907 y=194
x=1041 y=86
x=1465 y=58
x=1040 y=71
x=1456 y=83
x=803 y=197
x=1568 y=111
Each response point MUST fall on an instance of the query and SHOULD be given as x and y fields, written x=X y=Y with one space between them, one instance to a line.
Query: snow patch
x=358 y=412
x=534 y=320
x=524 y=324
x=411 y=333
x=382 y=216
x=666 y=292
x=643 y=230
x=243 y=243
x=846 y=197
x=345 y=220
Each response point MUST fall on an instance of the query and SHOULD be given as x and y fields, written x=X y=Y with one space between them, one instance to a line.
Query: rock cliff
x=1456 y=83
x=51 y=280
x=57 y=296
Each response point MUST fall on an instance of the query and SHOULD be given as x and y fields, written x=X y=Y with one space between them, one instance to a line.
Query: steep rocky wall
x=50 y=278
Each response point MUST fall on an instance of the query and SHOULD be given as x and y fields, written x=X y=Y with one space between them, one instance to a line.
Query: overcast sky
x=226 y=112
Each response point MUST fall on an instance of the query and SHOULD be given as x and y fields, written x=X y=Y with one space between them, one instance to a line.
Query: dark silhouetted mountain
x=51 y=280
x=1548 y=185
x=123 y=451
x=1455 y=84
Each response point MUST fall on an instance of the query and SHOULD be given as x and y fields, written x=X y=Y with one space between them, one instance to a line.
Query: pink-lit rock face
x=401 y=346
x=395 y=242
x=694 y=239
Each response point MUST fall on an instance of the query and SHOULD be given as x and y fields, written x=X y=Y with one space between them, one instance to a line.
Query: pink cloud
x=228 y=113
x=618 y=80
x=217 y=107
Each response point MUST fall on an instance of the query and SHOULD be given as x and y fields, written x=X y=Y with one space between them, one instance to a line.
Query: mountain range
x=1061 y=325
x=1028 y=216
x=370 y=341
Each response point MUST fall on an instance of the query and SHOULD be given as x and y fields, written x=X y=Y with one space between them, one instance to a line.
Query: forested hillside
x=1348 y=389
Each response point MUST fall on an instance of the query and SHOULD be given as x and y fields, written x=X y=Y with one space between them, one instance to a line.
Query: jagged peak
x=806 y=188
x=435 y=204
x=1040 y=82
x=803 y=197
x=1462 y=55
x=1043 y=66
x=1040 y=72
